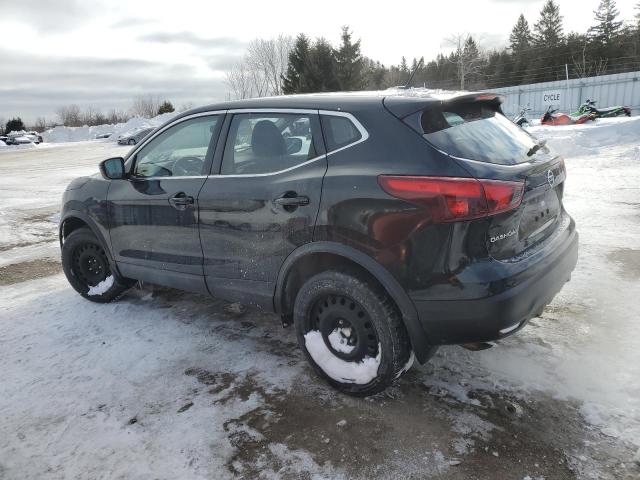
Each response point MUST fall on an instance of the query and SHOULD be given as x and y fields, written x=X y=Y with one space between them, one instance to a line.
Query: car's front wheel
x=131 y=141
x=351 y=333
x=87 y=268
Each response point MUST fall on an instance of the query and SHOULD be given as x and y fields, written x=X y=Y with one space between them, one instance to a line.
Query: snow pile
x=79 y=134
x=2 y=144
x=102 y=287
x=360 y=373
x=590 y=138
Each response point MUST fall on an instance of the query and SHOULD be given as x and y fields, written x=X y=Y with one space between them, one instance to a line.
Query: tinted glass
x=179 y=151
x=339 y=132
x=266 y=143
x=478 y=132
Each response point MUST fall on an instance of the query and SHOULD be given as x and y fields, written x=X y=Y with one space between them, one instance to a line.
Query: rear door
x=153 y=214
x=262 y=201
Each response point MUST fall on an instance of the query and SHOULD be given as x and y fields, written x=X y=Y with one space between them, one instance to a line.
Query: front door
x=154 y=213
x=263 y=202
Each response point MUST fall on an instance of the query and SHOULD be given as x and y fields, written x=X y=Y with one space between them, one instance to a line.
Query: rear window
x=476 y=131
x=339 y=132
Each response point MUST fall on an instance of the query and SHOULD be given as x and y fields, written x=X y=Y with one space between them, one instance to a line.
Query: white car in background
x=133 y=137
x=20 y=139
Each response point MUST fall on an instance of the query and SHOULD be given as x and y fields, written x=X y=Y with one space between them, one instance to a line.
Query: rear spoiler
x=403 y=106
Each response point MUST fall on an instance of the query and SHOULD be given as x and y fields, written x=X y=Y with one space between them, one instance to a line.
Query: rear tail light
x=451 y=199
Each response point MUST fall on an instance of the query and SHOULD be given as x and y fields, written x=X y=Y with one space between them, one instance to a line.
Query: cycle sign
x=552 y=97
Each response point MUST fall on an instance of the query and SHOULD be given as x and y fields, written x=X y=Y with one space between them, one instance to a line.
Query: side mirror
x=293 y=145
x=113 y=168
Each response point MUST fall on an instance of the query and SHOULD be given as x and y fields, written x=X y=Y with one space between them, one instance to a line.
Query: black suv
x=381 y=225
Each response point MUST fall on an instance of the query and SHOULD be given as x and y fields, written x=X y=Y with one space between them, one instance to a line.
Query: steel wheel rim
x=90 y=264
x=343 y=316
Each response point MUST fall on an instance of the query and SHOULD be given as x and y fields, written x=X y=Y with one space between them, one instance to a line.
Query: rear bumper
x=496 y=316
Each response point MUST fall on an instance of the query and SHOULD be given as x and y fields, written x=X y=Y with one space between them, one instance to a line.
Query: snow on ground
x=31 y=192
x=173 y=385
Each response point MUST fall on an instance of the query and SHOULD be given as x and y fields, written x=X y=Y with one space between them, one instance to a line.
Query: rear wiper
x=536 y=147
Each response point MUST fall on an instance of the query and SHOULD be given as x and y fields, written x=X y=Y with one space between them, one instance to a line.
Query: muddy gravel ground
x=166 y=384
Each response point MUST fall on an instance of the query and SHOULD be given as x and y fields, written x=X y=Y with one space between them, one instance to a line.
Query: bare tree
x=2 y=124
x=146 y=106
x=41 y=124
x=466 y=56
x=260 y=72
x=70 y=115
x=243 y=81
x=588 y=68
x=117 y=116
x=270 y=58
x=88 y=117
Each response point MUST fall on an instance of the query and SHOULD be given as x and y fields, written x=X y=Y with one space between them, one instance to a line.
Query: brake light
x=451 y=199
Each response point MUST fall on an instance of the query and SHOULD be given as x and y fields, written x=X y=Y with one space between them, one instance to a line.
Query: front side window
x=179 y=151
x=267 y=143
x=476 y=131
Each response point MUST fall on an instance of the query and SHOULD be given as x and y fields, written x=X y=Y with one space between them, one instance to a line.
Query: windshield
x=477 y=131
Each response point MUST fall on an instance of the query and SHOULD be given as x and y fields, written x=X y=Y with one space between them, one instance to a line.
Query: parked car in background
x=20 y=139
x=381 y=226
x=134 y=137
x=36 y=136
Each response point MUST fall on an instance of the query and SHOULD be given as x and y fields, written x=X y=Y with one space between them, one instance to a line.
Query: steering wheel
x=187 y=166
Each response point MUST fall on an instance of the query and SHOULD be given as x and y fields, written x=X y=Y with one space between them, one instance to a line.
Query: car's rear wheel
x=351 y=333
x=131 y=141
x=87 y=268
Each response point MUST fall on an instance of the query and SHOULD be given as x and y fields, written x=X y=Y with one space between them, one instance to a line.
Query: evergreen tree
x=470 y=50
x=296 y=78
x=607 y=27
x=403 y=65
x=520 y=38
x=14 y=125
x=322 y=63
x=548 y=30
x=165 y=107
x=373 y=74
x=349 y=63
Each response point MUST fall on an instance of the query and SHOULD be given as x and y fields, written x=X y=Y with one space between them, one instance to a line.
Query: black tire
x=131 y=141
x=368 y=312
x=86 y=265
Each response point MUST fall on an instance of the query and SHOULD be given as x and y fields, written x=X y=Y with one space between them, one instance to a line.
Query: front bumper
x=496 y=316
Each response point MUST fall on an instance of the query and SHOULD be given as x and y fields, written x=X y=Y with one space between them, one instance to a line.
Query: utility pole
x=566 y=71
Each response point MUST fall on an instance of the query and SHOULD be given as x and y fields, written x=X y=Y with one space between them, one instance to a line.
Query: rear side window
x=476 y=131
x=339 y=132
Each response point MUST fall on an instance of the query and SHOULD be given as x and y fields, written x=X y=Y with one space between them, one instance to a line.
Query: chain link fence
x=567 y=95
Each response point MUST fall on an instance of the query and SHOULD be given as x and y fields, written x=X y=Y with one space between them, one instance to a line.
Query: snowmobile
x=521 y=119
x=551 y=117
x=590 y=107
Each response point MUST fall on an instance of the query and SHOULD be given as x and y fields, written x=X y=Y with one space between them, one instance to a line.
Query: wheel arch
x=74 y=220
x=315 y=257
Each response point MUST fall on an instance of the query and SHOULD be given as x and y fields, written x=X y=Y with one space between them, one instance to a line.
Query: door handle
x=180 y=201
x=292 y=201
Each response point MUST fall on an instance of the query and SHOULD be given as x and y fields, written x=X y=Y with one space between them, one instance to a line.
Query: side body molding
x=417 y=335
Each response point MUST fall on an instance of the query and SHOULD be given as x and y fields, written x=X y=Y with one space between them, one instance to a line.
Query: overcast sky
x=103 y=53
